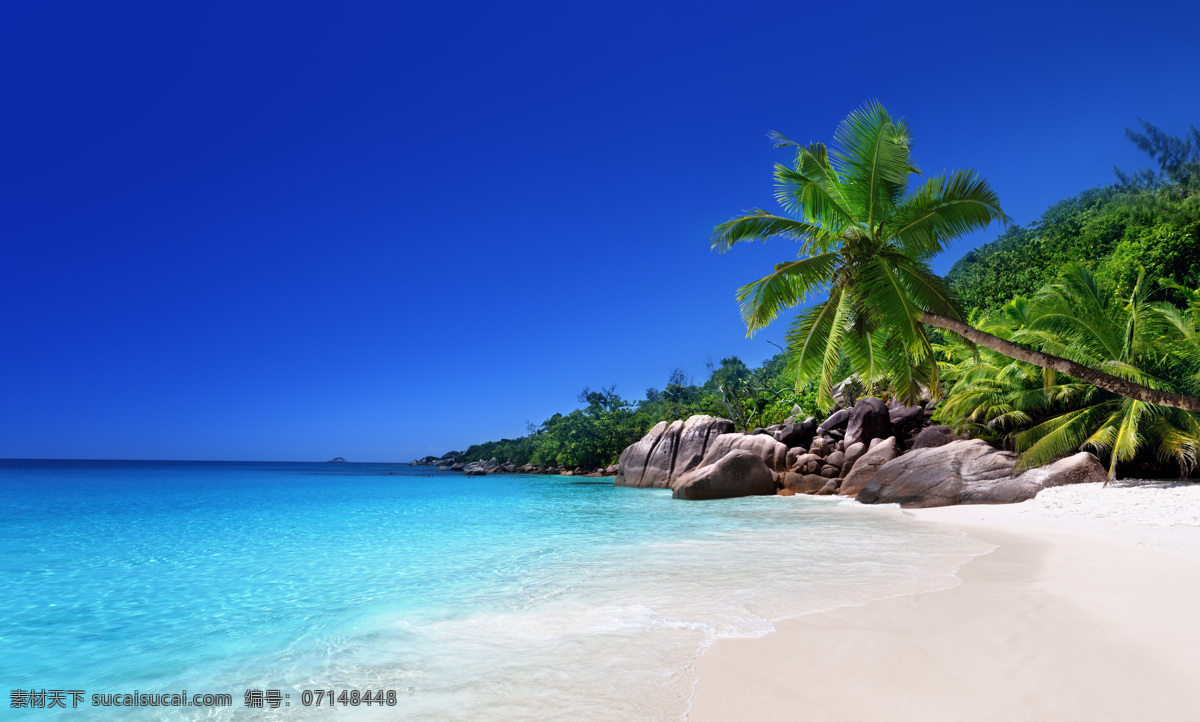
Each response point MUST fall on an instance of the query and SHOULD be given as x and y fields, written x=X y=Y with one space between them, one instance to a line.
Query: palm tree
x=990 y=394
x=867 y=240
x=1046 y=416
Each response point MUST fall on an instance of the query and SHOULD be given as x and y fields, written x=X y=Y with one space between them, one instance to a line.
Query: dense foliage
x=1146 y=221
x=1044 y=415
x=1107 y=279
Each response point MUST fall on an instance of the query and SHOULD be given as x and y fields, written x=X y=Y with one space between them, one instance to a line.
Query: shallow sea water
x=500 y=597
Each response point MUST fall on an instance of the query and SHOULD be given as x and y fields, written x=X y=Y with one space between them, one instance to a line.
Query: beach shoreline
x=1084 y=611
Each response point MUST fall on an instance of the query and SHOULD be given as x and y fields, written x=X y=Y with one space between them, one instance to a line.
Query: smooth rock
x=797 y=434
x=970 y=472
x=773 y=453
x=803 y=460
x=906 y=419
x=830 y=488
x=668 y=450
x=935 y=436
x=836 y=420
x=853 y=452
x=829 y=471
x=869 y=419
x=822 y=446
x=837 y=458
x=881 y=452
x=803 y=483
x=1078 y=468
x=793 y=455
x=738 y=473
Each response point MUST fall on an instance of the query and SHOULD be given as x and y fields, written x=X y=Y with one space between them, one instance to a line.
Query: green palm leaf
x=944 y=207
x=875 y=162
x=808 y=336
x=789 y=285
x=833 y=352
x=761 y=225
x=1060 y=435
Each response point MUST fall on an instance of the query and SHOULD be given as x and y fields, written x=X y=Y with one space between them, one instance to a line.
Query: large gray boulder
x=806 y=464
x=668 y=451
x=970 y=472
x=869 y=419
x=803 y=483
x=935 y=436
x=906 y=419
x=822 y=446
x=853 y=453
x=738 y=473
x=797 y=434
x=880 y=453
x=836 y=420
x=773 y=453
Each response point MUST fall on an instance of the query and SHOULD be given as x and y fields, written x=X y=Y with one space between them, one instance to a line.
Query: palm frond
x=924 y=286
x=910 y=376
x=1060 y=435
x=833 y=353
x=863 y=352
x=887 y=294
x=874 y=161
x=808 y=336
x=945 y=207
x=1178 y=441
x=761 y=225
x=812 y=199
x=788 y=285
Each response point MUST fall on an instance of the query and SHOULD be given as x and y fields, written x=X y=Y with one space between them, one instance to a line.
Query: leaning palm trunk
x=1099 y=379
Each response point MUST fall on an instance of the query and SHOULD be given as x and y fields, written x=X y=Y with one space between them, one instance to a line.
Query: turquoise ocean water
x=500 y=597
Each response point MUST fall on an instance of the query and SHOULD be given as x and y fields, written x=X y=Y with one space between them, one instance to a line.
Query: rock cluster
x=873 y=451
x=447 y=459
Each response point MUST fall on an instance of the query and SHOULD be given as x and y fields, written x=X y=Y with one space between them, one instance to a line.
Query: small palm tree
x=1079 y=318
x=866 y=241
x=1046 y=416
x=990 y=394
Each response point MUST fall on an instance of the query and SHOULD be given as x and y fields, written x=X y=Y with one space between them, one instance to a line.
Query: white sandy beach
x=1088 y=609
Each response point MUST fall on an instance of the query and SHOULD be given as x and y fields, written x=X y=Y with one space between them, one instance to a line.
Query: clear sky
x=379 y=231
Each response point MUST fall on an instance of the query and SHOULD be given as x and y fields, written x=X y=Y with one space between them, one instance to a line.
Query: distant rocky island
x=337 y=460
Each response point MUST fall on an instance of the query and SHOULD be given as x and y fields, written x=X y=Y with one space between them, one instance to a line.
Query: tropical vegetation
x=1046 y=415
x=1105 y=281
x=866 y=241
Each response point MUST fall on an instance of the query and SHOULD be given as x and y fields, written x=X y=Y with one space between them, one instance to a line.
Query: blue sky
x=299 y=231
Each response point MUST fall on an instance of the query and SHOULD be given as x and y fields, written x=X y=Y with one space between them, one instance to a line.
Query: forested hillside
x=1142 y=221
